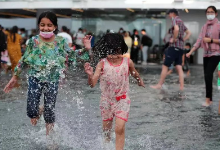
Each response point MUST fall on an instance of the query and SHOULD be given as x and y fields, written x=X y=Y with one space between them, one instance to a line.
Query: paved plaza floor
x=159 y=120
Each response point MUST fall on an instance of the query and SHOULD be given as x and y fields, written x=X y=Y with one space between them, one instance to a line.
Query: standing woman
x=209 y=40
x=14 y=46
x=128 y=41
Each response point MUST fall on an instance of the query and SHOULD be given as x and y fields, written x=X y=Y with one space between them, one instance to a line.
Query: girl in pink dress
x=113 y=71
x=5 y=62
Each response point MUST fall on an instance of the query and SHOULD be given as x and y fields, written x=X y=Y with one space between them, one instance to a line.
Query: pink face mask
x=47 y=35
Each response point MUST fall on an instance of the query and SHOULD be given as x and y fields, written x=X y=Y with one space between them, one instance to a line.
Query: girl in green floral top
x=45 y=56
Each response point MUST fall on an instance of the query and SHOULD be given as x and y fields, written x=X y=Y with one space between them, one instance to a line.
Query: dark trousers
x=134 y=54
x=35 y=89
x=209 y=64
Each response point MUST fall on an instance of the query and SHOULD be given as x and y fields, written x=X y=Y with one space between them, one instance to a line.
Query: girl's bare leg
x=107 y=126
x=120 y=133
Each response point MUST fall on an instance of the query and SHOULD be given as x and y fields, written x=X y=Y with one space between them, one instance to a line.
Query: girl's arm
x=82 y=54
x=135 y=74
x=93 y=78
x=18 y=70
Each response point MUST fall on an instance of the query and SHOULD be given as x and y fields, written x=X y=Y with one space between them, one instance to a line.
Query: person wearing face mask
x=209 y=40
x=45 y=57
x=174 y=52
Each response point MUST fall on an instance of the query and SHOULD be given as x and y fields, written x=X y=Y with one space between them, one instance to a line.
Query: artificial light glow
x=64 y=16
x=31 y=10
x=131 y=10
x=79 y=10
x=186 y=10
x=15 y=15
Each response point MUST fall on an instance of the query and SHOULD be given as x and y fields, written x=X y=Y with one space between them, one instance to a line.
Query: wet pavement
x=159 y=120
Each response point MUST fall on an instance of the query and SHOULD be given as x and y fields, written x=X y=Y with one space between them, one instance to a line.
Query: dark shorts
x=173 y=55
x=35 y=90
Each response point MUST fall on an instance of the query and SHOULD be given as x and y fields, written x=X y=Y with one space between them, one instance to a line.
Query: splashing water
x=158 y=120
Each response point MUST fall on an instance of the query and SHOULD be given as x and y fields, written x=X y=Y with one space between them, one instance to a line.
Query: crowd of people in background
x=14 y=42
x=114 y=82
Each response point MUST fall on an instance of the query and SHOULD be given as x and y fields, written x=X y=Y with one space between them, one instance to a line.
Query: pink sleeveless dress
x=114 y=85
x=4 y=57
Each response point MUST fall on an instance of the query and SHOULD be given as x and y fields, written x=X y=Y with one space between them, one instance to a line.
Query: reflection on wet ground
x=159 y=120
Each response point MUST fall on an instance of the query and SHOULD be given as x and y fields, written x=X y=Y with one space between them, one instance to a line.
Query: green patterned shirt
x=46 y=60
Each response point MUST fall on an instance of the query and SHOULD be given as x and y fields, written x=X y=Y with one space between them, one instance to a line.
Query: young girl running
x=113 y=72
x=45 y=56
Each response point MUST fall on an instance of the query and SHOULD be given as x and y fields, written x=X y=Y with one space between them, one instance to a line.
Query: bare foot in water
x=207 y=104
x=34 y=120
x=157 y=87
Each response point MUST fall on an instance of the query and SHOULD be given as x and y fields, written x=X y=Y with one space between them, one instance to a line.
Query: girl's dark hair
x=110 y=44
x=213 y=8
x=51 y=16
x=13 y=32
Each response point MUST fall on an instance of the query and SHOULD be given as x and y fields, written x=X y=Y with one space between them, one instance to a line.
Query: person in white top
x=65 y=35
x=78 y=37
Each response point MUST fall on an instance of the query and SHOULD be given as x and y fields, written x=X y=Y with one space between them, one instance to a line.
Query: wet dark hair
x=110 y=44
x=188 y=44
x=13 y=32
x=51 y=16
x=213 y=8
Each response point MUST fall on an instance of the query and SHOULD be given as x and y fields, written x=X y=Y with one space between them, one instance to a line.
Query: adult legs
x=133 y=54
x=210 y=64
x=144 y=51
x=169 y=59
x=181 y=78
x=163 y=75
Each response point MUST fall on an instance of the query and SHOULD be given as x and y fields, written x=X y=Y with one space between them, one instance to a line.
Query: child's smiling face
x=46 y=25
